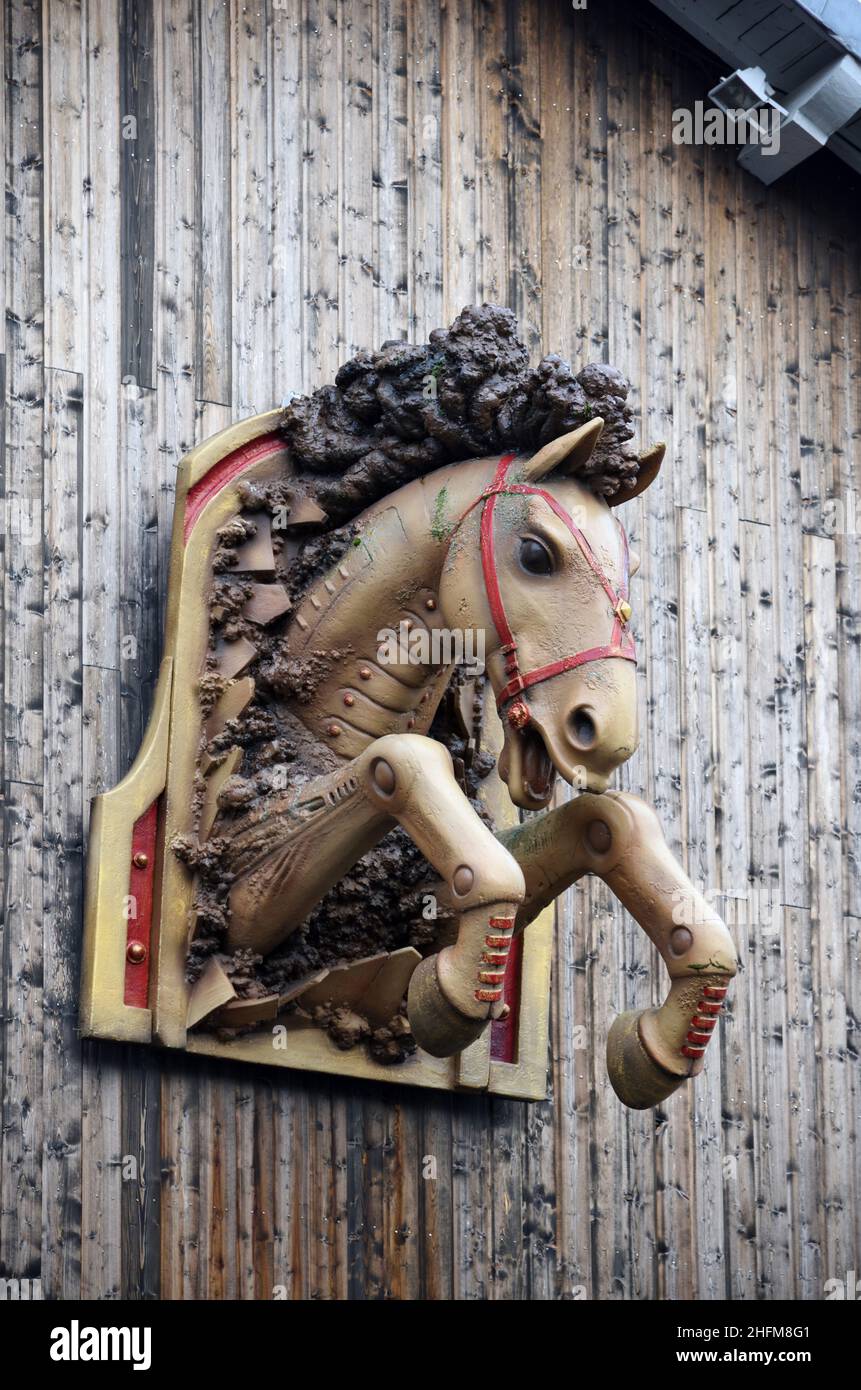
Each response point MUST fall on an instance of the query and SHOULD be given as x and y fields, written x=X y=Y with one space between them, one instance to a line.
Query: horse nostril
x=583 y=726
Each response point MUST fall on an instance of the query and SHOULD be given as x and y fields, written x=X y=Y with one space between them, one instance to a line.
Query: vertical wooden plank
x=783 y=367
x=22 y=1109
x=808 y=1267
x=3 y=147
x=623 y=981
x=218 y=1209
x=320 y=277
x=108 y=285
x=727 y=676
x=709 y=1169
x=700 y=1145
x=472 y=1188
x=553 y=1122
x=101 y=1124
x=244 y=1196
x=356 y=175
x=564 y=260
x=106 y=194
x=495 y=85
x=338 y=1195
x=751 y=380
x=452 y=129
x=64 y=67
x=213 y=289
x=658 y=603
x=519 y=159
x=174 y=331
x=578 y=1034
x=761 y=920
x=828 y=960
x=139 y=655
x=23 y=720
x=288 y=211
x=435 y=1199
x=592 y=125
x=391 y=218
x=400 y=1234
x=137 y=110
x=182 y=1275
x=845 y=423
x=522 y=149
x=814 y=367
x=63 y=839
x=427 y=123
x=428 y=116
x=688 y=462
x=24 y=357
x=369 y=1273
x=358 y=1180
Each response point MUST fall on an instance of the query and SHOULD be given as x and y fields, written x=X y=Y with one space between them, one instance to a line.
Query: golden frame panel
x=163 y=774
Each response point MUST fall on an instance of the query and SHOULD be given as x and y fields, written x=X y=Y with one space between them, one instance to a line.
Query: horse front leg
x=617 y=836
x=454 y=994
x=306 y=841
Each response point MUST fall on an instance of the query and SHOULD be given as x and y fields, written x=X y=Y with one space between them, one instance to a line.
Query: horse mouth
x=527 y=767
x=539 y=774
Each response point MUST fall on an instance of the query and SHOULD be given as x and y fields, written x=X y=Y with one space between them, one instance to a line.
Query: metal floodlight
x=746 y=89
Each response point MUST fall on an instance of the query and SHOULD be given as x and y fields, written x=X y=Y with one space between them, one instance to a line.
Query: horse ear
x=572 y=449
x=650 y=467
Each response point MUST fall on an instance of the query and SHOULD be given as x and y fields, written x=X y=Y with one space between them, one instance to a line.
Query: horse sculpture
x=521 y=552
x=492 y=546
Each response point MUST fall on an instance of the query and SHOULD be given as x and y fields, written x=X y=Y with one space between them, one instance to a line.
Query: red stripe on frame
x=503 y=1033
x=223 y=473
x=139 y=926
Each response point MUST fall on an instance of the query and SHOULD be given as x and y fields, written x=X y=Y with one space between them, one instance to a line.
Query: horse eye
x=535 y=557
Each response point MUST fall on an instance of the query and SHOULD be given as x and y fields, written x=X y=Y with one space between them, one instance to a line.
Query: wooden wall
x=208 y=207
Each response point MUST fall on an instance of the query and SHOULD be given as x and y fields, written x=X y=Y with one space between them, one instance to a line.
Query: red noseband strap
x=621 y=643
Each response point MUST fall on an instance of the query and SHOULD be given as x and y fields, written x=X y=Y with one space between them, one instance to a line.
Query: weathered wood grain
x=300 y=179
x=137 y=142
x=63 y=842
x=214 y=286
x=24 y=1116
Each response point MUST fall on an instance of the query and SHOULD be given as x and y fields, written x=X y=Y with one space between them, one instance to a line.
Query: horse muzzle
x=581 y=724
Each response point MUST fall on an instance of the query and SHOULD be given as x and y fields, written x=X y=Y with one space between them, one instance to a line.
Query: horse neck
x=387 y=581
x=398 y=553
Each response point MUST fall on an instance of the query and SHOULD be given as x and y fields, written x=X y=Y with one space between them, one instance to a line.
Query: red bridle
x=621 y=643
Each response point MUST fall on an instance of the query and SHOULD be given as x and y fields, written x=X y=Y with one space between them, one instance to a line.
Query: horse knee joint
x=393 y=762
x=488 y=877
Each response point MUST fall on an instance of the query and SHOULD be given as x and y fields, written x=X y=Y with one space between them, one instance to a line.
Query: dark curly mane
x=408 y=409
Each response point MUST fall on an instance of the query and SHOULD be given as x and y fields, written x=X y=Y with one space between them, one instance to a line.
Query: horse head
x=541 y=565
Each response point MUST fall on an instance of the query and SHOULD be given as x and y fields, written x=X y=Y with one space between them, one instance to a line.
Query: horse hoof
x=437 y=1026
x=637 y=1080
